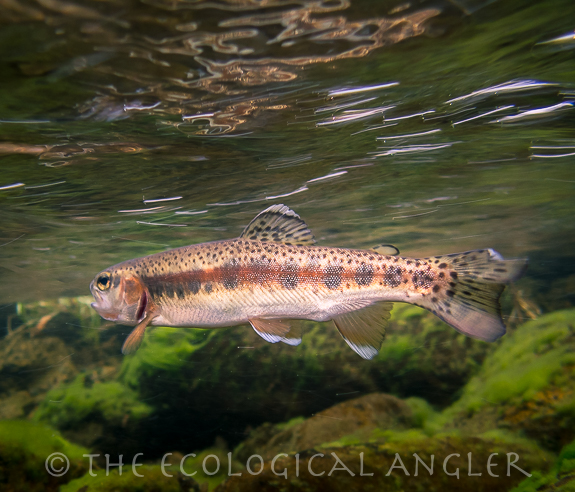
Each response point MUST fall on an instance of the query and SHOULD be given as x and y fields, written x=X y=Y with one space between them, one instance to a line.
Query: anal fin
x=277 y=330
x=364 y=329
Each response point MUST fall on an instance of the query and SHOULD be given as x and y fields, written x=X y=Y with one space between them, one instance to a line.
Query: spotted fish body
x=272 y=275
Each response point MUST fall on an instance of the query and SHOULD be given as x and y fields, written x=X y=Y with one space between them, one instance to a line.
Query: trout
x=273 y=275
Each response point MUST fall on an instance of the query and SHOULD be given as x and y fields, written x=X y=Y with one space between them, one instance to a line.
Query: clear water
x=127 y=128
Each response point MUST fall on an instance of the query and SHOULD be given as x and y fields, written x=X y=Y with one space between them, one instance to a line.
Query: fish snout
x=102 y=305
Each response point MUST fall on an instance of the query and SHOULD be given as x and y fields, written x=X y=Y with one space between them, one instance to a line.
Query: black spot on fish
x=450 y=293
x=393 y=276
x=116 y=281
x=208 y=288
x=288 y=275
x=442 y=265
x=195 y=286
x=153 y=290
x=332 y=276
x=453 y=275
x=436 y=288
x=180 y=292
x=364 y=275
x=230 y=273
x=169 y=289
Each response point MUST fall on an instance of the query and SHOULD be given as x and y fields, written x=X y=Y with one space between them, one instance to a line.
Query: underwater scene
x=360 y=177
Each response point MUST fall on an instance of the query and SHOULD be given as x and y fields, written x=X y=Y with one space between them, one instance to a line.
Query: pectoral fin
x=135 y=338
x=277 y=330
x=364 y=329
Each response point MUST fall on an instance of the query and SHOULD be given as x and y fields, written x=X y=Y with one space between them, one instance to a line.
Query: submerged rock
x=358 y=417
x=561 y=477
x=152 y=480
x=25 y=449
x=93 y=413
x=29 y=368
x=400 y=461
x=525 y=385
x=220 y=382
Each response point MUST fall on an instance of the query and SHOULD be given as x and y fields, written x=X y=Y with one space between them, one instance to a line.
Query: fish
x=274 y=275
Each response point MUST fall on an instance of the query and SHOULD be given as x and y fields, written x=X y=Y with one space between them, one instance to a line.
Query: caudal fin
x=470 y=301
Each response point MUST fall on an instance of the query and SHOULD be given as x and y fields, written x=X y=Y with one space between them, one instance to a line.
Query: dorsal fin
x=277 y=330
x=279 y=224
x=364 y=329
x=386 y=249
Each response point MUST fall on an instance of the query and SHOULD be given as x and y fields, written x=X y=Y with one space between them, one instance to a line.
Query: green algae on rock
x=175 y=375
x=152 y=480
x=391 y=466
x=525 y=385
x=56 y=341
x=561 y=478
x=180 y=369
x=358 y=418
x=200 y=471
x=104 y=407
x=24 y=449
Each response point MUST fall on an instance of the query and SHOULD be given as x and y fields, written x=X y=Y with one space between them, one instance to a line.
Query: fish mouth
x=99 y=306
x=108 y=315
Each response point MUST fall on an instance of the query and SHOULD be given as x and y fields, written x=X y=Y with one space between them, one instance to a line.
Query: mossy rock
x=390 y=473
x=153 y=480
x=561 y=478
x=358 y=417
x=24 y=449
x=188 y=473
x=525 y=385
x=93 y=413
x=230 y=379
x=29 y=368
x=56 y=341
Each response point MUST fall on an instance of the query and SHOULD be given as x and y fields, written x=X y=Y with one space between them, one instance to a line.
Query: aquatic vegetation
x=24 y=447
x=108 y=405
x=175 y=367
x=391 y=465
x=353 y=419
x=153 y=480
x=168 y=476
x=111 y=400
x=525 y=384
x=561 y=477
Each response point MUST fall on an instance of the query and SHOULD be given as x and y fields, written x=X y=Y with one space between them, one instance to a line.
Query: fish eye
x=104 y=281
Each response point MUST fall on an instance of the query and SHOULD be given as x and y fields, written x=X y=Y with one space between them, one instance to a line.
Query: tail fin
x=476 y=280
